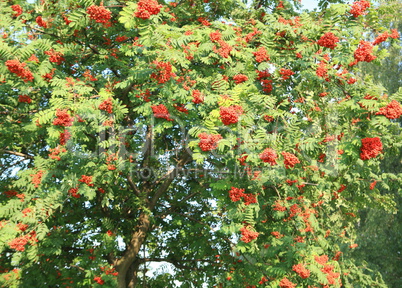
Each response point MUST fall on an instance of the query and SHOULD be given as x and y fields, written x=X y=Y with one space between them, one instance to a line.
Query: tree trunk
x=127 y=265
x=126 y=275
x=132 y=274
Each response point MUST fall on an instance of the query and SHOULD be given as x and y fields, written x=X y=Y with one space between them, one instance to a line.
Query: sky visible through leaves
x=309 y=4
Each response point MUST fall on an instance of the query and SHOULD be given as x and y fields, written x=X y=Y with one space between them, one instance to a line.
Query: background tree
x=235 y=140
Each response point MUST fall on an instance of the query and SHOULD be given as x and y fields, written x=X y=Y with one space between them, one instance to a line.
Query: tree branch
x=189 y=196
x=26 y=156
x=169 y=177
x=148 y=147
x=78 y=267
x=43 y=32
x=110 y=258
x=135 y=189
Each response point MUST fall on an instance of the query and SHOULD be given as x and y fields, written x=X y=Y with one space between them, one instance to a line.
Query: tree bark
x=132 y=274
x=127 y=260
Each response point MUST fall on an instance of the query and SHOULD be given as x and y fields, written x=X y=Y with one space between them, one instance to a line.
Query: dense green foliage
x=379 y=232
x=237 y=141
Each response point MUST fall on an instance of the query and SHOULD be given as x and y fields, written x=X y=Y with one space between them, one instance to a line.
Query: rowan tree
x=377 y=243
x=235 y=140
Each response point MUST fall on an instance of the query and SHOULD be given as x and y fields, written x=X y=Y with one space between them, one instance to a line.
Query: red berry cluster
x=392 y=111
x=302 y=271
x=63 y=118
x=24 y=99
x=249 y=199
x=370 y=148
x=250 y=35
x=342 y=188
x=359 y=8
x=230 y=115
x=36 y=178
x=215 y=36
x=160 y=111
x=296 y=210
x=54 y=153
x=144 y=95
x=17 y=9
x=280 y=6
x=240 y=78
x=197 y=97
x=9 y=194
x=363 y=53
x=208 y=142
x=42 y=23
x=292 y=22
x=327 y=269
x=26 y=211
x=22 y=227
x=381 y=38
x=146 y=8
x=224 y=50
x=99 y=13
x=266 y=83
x=243 y=159
x=164 y=72
x=322 y=70
x=331 y=275
x=235 y=194
x=110 y=271
x=278 y=206
x=328 y=40
x=269 y=156
x=269 y=118
x=33 y=58
x=121 y=38
x=74 y=192
x=247 y=235
x=263 y=280
x=286 y=73
x=181 y=108
x=203 y=21
x=323 y=259
x=286 y=283
x=384 y=36
x=66 y=20
x=18 y=68
x=55 y=57
x=290 y=160
x=107 y=106
x=99 y=280
x=87 y=180
x=88 y=76
x=261 y=55
x=20 y=242
x=64 y=136
x=394 y=34
x=49 y=76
